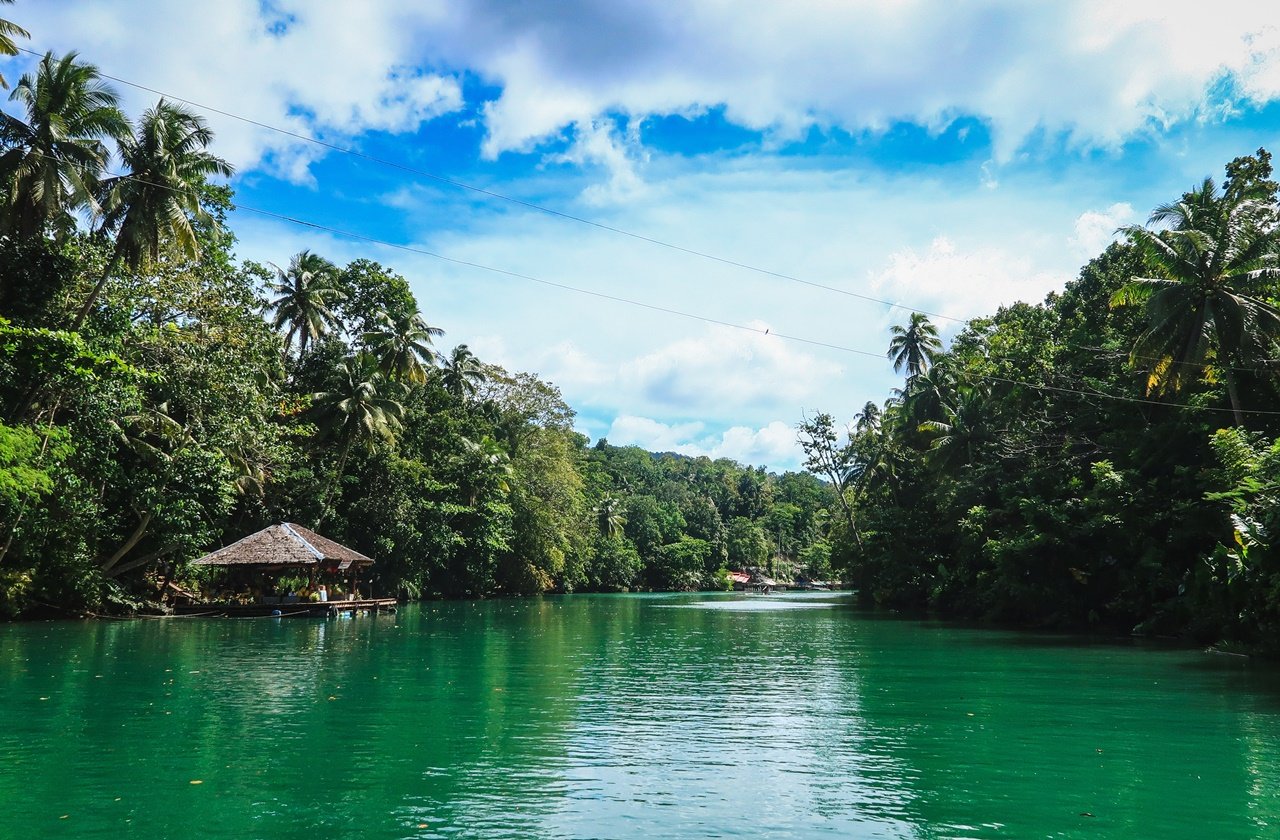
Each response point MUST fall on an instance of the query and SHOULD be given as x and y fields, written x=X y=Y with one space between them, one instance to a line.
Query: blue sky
x=949 y=157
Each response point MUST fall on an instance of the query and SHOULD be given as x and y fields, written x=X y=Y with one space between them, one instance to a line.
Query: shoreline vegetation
x=161 y=398
x=1104 y=460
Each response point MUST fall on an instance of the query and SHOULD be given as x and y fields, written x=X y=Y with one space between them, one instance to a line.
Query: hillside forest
x=1106 y=458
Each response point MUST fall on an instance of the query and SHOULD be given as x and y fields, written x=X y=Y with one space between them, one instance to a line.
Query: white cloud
x=629 y=430
x=1097 y=71
x=716 y=375
x=774 y=444
x=725 y=366
x=597 y=144
x=1096 y=229
x=312 y=68
x=963 y=283
x=1090 y=69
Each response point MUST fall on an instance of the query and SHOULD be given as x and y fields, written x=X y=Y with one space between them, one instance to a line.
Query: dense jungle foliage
x=1106 y=459
x=161 y=398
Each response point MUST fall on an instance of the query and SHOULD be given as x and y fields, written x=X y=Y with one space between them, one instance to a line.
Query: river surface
x=652 y=716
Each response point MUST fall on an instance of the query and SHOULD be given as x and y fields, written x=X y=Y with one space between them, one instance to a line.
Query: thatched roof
x=285 y=545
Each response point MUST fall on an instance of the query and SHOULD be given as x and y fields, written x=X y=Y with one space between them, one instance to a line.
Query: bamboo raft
x=297 y=609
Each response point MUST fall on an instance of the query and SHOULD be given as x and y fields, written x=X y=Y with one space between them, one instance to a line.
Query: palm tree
x=928 y=394
x=54 y=159
x=914 y=345
x=609 y=516
x=403 y=346
x=964 y=428
x=1215 y=260
x=158 y=200
x=876 y=461
x=305 y=293
x=485 y=460
x=9 y=31
x=868 y=419
x=461 y=373
x=358 y=407
x=155 y=438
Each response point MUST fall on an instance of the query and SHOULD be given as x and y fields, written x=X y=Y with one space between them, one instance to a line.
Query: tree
x=461 y=373
x=610 y=519
x=53 y=160
x=825 y=456
x=9 y=31
x=868 y=420
x=370 y=291
x=305 y=296
x=1216 y=257
x=964 y=428
x=158 y=201
x=681 y=565
x=914 y=345
x=359 y=407
x=615 y=564
x=403 y=346
x=748 y=544
x=928 y=394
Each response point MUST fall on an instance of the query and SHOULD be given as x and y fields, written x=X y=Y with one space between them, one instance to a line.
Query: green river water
x=659 y=716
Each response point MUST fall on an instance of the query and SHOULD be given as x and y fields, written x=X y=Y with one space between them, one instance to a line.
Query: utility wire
x=1121 y=398
x=506 y=273
x=403 y=167
x=412 y=249
x=355 y=153
x=656 y=308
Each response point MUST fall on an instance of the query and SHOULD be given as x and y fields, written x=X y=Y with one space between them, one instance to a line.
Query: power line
x=568 y=217
x=507 y=273
x=582 y=220
x=403 y=167
x=668 y=310
x=603 y=295
x=766 y=331
x=1122 y=398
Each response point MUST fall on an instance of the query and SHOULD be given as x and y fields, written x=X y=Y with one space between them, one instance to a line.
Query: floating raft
x=299 y=609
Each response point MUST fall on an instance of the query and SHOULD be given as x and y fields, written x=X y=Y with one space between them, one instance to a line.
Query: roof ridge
x=305 y=543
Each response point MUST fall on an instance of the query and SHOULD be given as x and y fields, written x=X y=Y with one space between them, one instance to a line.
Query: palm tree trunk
x=133 y=540
x=116 y=253
x=1234 y=395
x=848 y=515
x=142 y=561
x=333 y=484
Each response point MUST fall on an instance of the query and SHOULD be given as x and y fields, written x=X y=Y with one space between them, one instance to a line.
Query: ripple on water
x=615 y=716
x=762 y=603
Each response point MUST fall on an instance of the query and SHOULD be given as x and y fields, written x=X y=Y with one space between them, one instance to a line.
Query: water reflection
x=624 y=716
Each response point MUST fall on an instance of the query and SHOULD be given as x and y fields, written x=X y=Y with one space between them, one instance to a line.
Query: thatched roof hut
x=286 y=546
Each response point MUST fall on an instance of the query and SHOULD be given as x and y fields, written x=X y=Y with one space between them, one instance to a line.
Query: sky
x=946 y=157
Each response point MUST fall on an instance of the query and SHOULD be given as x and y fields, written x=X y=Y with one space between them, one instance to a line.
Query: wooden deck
x=314 y=609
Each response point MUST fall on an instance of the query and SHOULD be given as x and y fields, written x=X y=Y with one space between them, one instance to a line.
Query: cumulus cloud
x=1096 y=229
x=715 y=374
x=1089 y=69
x=962 y=283
x=773 y=445
x=1095 y=71
x=727 y=366
x=597 y=144
x=310 y=68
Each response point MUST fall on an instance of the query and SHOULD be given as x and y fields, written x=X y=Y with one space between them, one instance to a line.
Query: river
x=618 y=716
